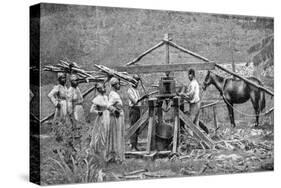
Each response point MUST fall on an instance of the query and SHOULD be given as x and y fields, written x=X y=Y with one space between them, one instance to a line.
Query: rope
x=235 y=109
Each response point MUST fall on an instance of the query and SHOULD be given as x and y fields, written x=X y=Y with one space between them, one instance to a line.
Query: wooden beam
x=187 y=51
x=167 y=52
x=146 y=69
x=138 y=124
x=269 y=111
x=167 y=38
x=195 y=129
x=246 y=80
x=144 y=154
x=151 y=104
x=215 y=117
x=176 y=124
x=212 y=104
x=145 y=53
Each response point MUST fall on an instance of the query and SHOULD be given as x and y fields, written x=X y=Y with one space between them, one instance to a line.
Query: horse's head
x=207 y=81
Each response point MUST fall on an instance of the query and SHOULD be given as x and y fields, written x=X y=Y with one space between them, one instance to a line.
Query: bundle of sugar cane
x=73 y=68
x=113 y=73
x=52 y=68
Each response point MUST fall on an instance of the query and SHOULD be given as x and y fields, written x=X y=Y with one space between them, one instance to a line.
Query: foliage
x=263 y=52
x=108 y=36
x=73 y=161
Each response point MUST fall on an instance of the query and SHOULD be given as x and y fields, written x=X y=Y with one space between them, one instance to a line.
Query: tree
x=263 y=52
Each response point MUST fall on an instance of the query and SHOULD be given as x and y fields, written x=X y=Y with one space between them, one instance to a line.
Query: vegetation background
x=113 y=36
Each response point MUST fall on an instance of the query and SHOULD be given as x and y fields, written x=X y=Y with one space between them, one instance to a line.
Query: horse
x=234 y=91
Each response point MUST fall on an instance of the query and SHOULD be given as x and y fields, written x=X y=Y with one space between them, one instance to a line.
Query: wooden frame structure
x=155 y=104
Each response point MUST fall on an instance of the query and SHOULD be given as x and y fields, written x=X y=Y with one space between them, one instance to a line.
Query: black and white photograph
x=121 y=94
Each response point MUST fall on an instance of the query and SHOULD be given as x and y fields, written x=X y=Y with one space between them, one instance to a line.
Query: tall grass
x=70 y=159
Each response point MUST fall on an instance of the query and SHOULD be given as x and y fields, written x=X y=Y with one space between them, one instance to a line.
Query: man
x=192 y=96
x=75 y=100
x=134 y=111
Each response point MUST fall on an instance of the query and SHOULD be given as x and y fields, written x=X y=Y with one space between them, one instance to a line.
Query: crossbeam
x=188 y=51
x=146 y=69
x=138 y=124
x=195 y=129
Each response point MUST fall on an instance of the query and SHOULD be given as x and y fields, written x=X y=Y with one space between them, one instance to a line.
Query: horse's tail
x=262 y=101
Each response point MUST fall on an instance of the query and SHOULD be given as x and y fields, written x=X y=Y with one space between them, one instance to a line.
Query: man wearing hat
x=134 y=111
x=58 y=97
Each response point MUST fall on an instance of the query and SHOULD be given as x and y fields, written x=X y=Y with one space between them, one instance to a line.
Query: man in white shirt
x=192 y=95
x=134 y=111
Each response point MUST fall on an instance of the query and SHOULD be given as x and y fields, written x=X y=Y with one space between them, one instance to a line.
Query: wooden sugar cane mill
x=163 y=137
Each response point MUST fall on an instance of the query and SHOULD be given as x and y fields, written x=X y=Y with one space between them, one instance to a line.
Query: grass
x=60 y=164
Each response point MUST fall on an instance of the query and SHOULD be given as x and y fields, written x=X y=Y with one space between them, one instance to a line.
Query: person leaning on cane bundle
x=134 y=111
x=58 y=97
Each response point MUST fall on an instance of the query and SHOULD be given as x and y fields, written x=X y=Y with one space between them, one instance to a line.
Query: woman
x=115 y=137
x=75 y=100
x=99 y=107
x=58 y=96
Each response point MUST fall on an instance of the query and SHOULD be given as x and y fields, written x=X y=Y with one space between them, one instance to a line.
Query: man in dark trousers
x=134 y=111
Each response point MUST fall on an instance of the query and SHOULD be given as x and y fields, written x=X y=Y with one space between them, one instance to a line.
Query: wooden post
x=160 y=112
x=151 y=103
x=176 y=126
x=215 y=117
x=167 y=38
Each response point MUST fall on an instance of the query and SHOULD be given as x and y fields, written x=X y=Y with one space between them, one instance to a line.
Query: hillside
x=102 y=35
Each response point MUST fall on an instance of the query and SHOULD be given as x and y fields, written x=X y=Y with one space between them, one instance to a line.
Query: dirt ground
x=239 y=150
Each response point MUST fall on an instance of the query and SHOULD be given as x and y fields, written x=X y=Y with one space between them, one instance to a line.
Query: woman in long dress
x=58 y=97
x=116 y=142
x=101 y=123
x=75 y=100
